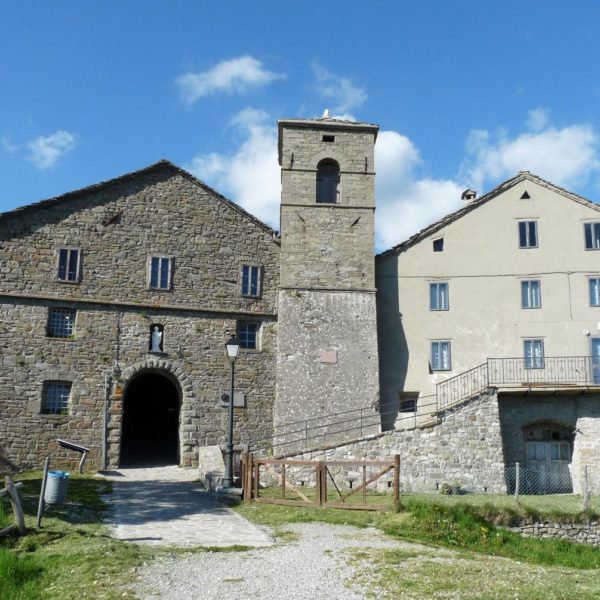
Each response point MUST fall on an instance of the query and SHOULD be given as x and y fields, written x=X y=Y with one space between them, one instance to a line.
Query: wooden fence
x=253 y=469
x=11 y=491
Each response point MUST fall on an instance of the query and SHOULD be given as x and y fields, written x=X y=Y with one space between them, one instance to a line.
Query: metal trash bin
x=56 y=487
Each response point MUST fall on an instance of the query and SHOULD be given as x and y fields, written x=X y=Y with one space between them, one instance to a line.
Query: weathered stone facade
x=327 y=358
x=464 y=448
x=117 y=226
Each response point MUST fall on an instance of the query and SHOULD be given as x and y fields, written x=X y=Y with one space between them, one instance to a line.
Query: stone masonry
x=327 y=359
x=117 y=226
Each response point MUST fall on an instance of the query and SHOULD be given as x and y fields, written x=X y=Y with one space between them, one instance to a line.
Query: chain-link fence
x=537 y=490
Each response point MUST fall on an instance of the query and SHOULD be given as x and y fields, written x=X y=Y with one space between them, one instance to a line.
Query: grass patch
x=72 y=556
x=457 y=526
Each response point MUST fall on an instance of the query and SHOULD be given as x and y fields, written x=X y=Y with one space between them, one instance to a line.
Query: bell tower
x=327 y=333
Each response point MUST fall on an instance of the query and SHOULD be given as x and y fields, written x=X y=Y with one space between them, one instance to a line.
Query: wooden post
x=396 y=483
x=16 y=504
x=248 y=480
x=364 y=490
x=283 y=481
x=318 y=484
x=256 y=475
x=42 y=492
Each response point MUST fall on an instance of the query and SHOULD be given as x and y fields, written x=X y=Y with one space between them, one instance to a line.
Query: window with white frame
x=161 y=272
x=55 y=397
x=533 y=352
x=68 y=266
x=438 y=296
x=441 y=359
x=594 y=283
x=531 y=293
x=592 y=235
x=528 y=237
x=61 y=322
x=251 y=280
x=247 y=334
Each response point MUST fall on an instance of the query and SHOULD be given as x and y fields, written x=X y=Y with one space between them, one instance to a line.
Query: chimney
x=468 y=196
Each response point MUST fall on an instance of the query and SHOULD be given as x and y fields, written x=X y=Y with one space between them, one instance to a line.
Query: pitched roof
x=503 y=187
x=161 y=164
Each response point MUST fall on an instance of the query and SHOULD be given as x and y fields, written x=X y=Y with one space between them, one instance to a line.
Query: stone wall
x=327 y=356
x=159 y=211
x=464 y=449
x=579 y=413
x=581 y=533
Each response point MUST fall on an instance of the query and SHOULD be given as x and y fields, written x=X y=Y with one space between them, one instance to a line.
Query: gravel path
x=314 y=566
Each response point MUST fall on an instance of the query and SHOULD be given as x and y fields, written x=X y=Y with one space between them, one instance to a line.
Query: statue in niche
x=156 y=338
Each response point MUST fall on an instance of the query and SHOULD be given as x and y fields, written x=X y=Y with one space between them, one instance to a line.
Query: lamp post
x=233 y=348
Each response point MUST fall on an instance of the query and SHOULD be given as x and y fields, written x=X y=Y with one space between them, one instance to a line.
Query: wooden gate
x=323 y=491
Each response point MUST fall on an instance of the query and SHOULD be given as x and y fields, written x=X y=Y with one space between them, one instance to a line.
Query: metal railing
x=525 y=371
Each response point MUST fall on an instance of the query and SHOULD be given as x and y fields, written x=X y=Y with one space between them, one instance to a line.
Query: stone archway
x=169 y=377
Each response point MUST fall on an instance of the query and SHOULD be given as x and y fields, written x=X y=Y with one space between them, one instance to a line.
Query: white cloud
x=250 y=176
x=565 y=156
x=45 y=151
x=407 y=203
x=340 y=90
x=230 y=76
x=537 y=118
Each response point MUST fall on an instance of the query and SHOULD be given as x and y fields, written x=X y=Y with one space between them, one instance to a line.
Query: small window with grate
x=55 y=397
x=408 y=402
x=61 y=322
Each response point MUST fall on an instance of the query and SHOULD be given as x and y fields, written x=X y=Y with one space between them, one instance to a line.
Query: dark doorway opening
x=150 y=422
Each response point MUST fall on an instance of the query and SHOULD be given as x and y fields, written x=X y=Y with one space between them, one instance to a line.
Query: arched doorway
x=150 y=434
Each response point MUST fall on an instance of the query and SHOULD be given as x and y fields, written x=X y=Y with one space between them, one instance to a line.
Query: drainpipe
x=107 y=383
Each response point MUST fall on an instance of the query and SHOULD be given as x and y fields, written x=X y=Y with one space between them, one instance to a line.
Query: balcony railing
x=525 y=371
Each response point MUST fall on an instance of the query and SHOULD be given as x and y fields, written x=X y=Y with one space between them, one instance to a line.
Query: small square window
x=531 y=294
x=592 y=235
x=438 y=245
x=61 y=322
x=161 y=272
x=528 y=237
x=55 y=397
x=251 y=280
x=408 y=402
x=438 y=296
x=248 y=335
x=68 y=264
x=534 y=354
x=594 y=283
x=441 y=359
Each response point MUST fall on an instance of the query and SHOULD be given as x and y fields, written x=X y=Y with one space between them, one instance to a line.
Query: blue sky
x=466 y=94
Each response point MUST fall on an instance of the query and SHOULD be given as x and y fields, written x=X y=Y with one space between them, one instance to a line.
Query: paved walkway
x=165 y=506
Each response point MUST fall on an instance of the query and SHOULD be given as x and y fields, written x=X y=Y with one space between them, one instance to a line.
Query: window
x=438 y=296
x=161 y=269
x=248 y=335
x=594 y=291
x=61 y=322
x=329 y=138
x=528 y=234
x=534 y=354
x=328 y=182
x=251 y=280
x=592 y=235
x=438 y=245
x=68 y=264
x=531 y=294
x=55 y=397
x=408 y=402
x=440 y=356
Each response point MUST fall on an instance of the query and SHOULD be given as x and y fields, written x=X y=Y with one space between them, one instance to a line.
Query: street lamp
x=233 y=349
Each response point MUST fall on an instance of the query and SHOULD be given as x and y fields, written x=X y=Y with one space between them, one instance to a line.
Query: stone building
x=88 y=277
